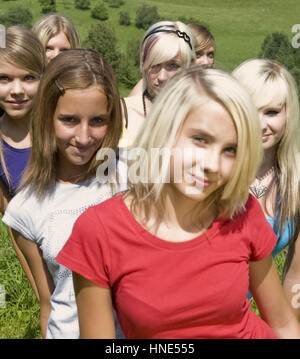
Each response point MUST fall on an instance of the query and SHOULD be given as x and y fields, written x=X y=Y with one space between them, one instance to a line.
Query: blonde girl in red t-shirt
x=173 y=252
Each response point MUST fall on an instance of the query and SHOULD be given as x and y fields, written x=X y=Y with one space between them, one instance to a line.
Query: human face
x=159 y=74
x=273 y=122
x=56 y=45
x=17 y=90
x=80 y=125
x=208 y=144
x=206 y=57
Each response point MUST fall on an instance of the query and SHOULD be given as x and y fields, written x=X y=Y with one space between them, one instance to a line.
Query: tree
x=146 y=16
x=124 y=18
x=99 y=12
x=47 y=6
x=101 y=38
x=115 y=3
x=278 y=47
x=16 y=16
x=82 y=4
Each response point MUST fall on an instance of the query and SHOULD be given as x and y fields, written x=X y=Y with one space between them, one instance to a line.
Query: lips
x=200 y=181
x=17 y=103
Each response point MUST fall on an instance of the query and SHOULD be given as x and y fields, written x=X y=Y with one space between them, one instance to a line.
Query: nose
x=17 y=87
x=162 y=75
x=83 y=135
x=212 y=161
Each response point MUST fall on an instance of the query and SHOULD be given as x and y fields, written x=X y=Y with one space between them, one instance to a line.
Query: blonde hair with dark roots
x=266 y=80
x=25 y=51
x=73 y=69
x=52 y=24
x=183 y=92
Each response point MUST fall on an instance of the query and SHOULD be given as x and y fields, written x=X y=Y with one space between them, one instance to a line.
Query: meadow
x=239 y=27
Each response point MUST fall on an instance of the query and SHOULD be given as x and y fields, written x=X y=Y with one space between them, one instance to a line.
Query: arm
x=4 y=199
x=269 y=296
x=41 y=276
x=291 y=281
x=94 y=309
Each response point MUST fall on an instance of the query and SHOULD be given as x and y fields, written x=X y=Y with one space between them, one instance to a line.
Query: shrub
x=146 y=16
x=99 y=12
x=16 y=16
x=47 y=6
x=124 y=18
x=82 y=4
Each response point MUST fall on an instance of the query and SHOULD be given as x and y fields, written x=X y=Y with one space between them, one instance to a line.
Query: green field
x=239 y=27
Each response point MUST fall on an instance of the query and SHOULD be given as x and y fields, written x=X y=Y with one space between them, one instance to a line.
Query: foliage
x=115 y=3
x=82 y=4
x=278 y=47
x=16 y=16
x=99 y=12
x=129 y=72
x=47 y=6
x=146 y=16
x=124 y=18
x=101 y=38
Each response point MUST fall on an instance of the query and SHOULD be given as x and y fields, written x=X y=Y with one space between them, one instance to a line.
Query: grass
x=239 y=27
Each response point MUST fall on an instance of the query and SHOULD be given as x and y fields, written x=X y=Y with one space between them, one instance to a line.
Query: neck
x=268 y=162
x=68 y=172
x=15 y=129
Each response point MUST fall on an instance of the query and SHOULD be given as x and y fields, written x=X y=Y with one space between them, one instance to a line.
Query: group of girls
x=173 y=257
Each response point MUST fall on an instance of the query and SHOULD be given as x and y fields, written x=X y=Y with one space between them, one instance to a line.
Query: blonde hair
x=163 y=41
x=204 y=38
x=52 y=24
x=183 y=92
x=73 y=69
x=267 y=80
x=23 y=50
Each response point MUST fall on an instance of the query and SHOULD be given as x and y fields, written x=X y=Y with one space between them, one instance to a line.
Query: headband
x=181 y=34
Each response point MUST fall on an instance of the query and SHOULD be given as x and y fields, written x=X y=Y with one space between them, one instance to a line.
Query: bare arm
x=291 y=281
x=95 y=309
x=269 y=296
x=41 y=276
x=4 y=199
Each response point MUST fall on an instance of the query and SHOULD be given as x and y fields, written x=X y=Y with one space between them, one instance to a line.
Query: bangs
x=161 y=49
x=269 y=90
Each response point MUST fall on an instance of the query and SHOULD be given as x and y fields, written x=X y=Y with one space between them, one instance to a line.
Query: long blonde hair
x=266 y=79
x=23 y=50
x=52 y=24
x=182 y=93
x=73 y=69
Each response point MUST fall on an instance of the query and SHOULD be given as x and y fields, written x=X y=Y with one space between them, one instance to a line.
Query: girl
x=205 y=46
x=277 y=183
x=177 y=264
x=77 y=111
x=57 y=33
x=22 y=63
x=166 y=48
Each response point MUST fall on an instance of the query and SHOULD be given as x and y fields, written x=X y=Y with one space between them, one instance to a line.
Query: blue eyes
x=201 y=141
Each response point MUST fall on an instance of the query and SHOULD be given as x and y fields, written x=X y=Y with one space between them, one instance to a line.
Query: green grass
x=20 y=316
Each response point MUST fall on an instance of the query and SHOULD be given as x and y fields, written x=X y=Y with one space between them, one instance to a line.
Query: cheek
x=32 y=89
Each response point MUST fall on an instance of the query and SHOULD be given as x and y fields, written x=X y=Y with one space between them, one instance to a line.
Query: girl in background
x=277 y=182
x=57 y=33
x=177 y=263
x=22 y=63
x=77 y=112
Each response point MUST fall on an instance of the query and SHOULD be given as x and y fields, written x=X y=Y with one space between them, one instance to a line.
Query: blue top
x=16 y=160
x=285 y=238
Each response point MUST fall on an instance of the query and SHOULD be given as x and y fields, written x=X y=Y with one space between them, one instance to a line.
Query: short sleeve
x=86 y=251
x=261 y=235
x=19 y=215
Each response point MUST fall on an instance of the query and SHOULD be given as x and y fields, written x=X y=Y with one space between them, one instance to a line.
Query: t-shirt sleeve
x=261 y=235
x=86 y=252
x=19 y=215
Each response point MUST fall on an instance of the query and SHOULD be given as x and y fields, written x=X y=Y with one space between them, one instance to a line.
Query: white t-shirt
x=49 y=224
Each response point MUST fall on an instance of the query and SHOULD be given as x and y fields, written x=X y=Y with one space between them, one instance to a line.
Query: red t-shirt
x=192 y=289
